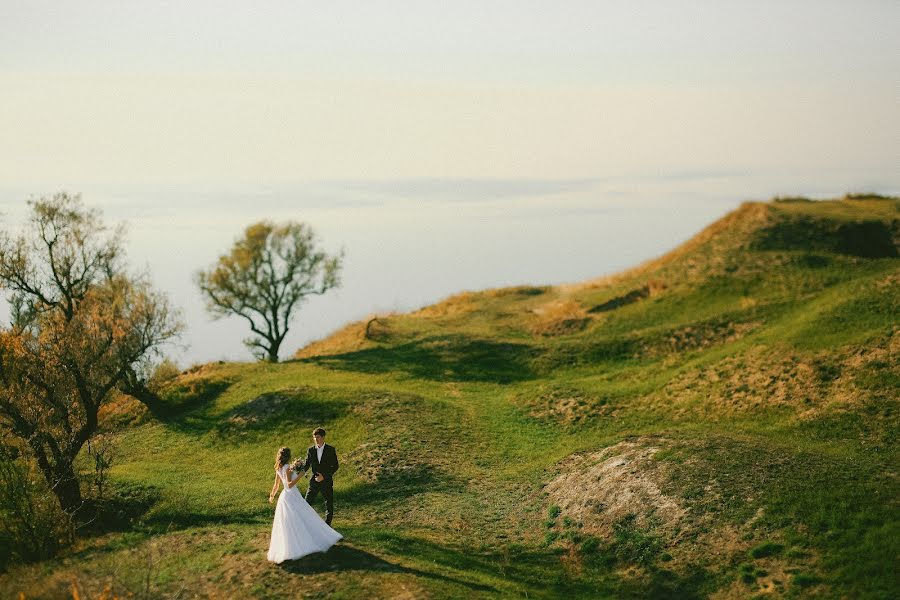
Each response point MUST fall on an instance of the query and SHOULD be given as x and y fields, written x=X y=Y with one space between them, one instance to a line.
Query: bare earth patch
x=600 y=489
x=263 y=408
x=627 y=483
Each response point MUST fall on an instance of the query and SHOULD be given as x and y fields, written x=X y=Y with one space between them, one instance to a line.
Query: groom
x=322 y=459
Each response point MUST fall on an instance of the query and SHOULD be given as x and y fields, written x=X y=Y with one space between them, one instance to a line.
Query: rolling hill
x=719 y=422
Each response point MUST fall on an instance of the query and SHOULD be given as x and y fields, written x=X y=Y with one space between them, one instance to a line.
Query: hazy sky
x=240 y=91
x=445 y=145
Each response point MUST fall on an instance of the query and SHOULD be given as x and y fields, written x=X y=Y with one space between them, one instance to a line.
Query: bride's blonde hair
x=282 y=457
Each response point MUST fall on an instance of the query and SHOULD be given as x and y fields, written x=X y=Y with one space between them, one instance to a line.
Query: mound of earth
x=629 y=489
x=601 y=489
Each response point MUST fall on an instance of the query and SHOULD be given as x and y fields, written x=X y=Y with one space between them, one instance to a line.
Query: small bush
x=32 y=526
x=572 y=536
x=805 y=580
x=633 y=544
x=164 y=372
x=867 y=196
x=554 y=511
x=766 y=549
x=590 y=545
x=790 y=199
x=796 y=553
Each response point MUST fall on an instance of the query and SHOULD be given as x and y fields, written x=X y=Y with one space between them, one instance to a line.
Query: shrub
x=805 y=580
x=32 y=526
x=766 y=549
x=590 y=545
x=164 y=372
x=633 y=544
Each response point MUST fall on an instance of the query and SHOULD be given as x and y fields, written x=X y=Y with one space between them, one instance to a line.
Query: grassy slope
x=749 y=377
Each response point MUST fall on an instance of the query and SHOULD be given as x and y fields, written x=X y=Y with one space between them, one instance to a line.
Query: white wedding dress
x=298 y=529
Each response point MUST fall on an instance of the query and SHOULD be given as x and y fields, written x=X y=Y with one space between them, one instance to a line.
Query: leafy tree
x=264 y=279
x=81 y=327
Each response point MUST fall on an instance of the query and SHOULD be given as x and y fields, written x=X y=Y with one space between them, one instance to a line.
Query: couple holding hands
x=297 y=529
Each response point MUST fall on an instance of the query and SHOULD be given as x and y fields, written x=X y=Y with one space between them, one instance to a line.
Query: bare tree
x=264 y=279
x=81 y=326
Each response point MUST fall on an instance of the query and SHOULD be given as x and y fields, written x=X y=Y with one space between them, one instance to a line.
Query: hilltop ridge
x=742 y=246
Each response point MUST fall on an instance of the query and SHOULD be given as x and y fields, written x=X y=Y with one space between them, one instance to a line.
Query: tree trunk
x=273 y=356
x=60 y=476
x=145 y=396
x=133 y=386
x=67 y=489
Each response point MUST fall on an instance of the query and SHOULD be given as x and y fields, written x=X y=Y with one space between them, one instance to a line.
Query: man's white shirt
x=319 y=451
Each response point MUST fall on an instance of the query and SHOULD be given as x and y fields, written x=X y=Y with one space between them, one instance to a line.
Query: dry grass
x=122 y=410
x=885 y=352
x=698 y=336
x=454 y=306
x=264 y=407
x=350 y=338
x=600 y=489
x=559 y=317
x=761 y=378
x=626 y=482
x=651 y=289
x=522 y=291
x=757 y=379
x=565 y=406
x=698 y=256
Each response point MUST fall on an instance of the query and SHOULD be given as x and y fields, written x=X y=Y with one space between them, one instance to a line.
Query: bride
x=298 y=529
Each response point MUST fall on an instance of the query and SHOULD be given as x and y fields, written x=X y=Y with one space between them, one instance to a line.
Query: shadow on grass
x=542 y=570
x=185 y=407
x=396 y=486
x=172 y=521
x=581 y=353
x=442 y=358
x=289 y=407
x=866 y=239
x=344 y=557
x=120 y=510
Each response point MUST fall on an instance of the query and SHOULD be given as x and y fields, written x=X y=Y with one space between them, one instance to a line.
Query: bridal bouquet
x=297 y=466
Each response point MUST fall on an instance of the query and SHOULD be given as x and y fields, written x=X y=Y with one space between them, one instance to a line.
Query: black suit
x=327 y=468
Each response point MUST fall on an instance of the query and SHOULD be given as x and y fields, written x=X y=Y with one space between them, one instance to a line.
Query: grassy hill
x=719 y=422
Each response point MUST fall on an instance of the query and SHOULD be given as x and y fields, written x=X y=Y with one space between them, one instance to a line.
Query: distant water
x=410 y=243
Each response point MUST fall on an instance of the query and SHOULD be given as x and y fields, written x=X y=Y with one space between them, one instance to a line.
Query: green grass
x=765 y=374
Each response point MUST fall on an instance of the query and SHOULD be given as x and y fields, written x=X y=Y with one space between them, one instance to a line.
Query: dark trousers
x=327 y=490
